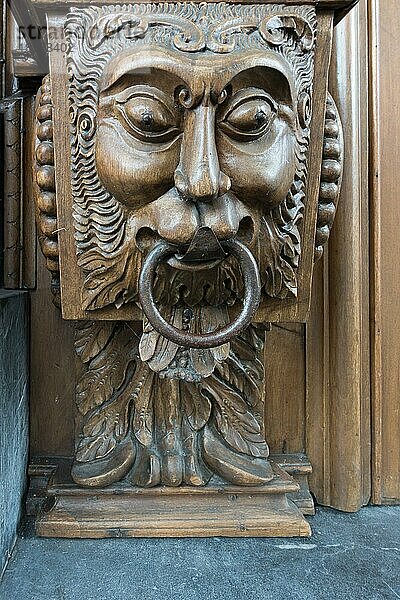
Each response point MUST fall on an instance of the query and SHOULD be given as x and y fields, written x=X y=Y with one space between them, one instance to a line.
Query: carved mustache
x=180 y=221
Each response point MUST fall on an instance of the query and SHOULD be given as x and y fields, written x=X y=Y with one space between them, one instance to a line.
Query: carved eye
x=248 y=116
x=145 y=113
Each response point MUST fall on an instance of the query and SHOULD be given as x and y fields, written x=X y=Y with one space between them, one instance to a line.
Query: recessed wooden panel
x=285 y=388
x=53 y=374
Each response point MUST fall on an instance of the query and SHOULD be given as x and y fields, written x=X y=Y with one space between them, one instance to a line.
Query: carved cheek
x=135 y=173
x=261 y=171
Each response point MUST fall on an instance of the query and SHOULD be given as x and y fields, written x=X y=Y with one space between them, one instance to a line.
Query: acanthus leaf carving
x=91 y=337
x=234 y=419
x=143 y=421
x=108 y=352
x=199 y=36
x=197 y=407
x=105 y=428
x=128 y=411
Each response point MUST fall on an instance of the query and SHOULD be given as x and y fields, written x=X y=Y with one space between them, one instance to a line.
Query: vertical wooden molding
x=349 y=276
x=317 y=384
x=385 y=272
x=12 y=194
x=19 y=234
x=19 y=216
x=375 y=203
x=28 y=274
x=285 y=344
x=338 y=390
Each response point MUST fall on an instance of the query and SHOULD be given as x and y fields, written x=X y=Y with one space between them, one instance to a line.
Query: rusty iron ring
x=251 y=300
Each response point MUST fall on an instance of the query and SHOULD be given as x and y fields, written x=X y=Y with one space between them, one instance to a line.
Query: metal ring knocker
x=251 y=300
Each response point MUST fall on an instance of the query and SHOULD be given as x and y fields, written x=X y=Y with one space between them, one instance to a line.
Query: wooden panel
x=12 y=194
x=385 y=213
x=52 y=358
x=337 y=337
x=28 y=271
x=19 y=219
x=52 y=389
x=19 y=232
x=317 y=383
x=285 y=388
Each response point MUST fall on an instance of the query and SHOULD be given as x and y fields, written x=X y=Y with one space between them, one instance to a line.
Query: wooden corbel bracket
x=188 y=163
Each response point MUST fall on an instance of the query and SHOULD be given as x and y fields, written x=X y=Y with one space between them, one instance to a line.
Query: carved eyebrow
x=145 y=60
x=133 y=89
x=134 y=78
x=270 y=80
x=141 y=64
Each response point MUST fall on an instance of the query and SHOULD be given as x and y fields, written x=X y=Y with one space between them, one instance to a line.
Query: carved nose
x=198 y=176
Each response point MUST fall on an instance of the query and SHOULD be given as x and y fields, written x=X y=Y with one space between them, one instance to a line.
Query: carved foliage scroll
x=160 y=430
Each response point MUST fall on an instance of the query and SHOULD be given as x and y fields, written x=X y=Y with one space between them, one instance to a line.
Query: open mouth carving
x=204 y=252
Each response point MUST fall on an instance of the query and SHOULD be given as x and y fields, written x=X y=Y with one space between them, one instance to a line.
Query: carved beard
x=198 y=301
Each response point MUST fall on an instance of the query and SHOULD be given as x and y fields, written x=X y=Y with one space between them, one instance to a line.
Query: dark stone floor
x=349 y=556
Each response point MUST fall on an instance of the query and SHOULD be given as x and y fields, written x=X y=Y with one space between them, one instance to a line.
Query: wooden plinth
x=216 y=510
x=299 y=467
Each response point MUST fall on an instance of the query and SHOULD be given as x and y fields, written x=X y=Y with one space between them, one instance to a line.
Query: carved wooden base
x=66 y=510
x=299 y=467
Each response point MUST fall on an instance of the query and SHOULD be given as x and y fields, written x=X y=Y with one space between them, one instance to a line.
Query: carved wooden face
x=200 y=140
x=186 y=118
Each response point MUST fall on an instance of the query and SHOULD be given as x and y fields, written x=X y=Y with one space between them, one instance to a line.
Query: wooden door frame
x=337 y=336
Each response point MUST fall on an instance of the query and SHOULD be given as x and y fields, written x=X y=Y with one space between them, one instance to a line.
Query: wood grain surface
x=285 y=372
x=385 y=277
x=320 y=400
x=223 y=510
x=53 y=374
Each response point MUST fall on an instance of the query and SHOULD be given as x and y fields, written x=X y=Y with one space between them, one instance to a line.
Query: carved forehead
x=200 y=68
